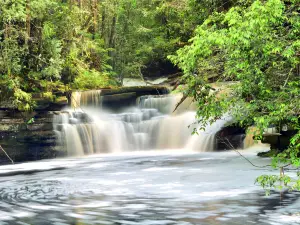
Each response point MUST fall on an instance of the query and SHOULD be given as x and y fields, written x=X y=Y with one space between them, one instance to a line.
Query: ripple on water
x=181 y=190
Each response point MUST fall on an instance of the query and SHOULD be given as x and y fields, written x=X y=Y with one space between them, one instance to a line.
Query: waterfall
x=165 y=104
x=88 y=129
x=86 y=98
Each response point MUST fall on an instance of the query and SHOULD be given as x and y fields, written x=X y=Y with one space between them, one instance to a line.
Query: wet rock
x=28 y=136
x=231 y=137
x=139 y=90
x=80 y=117
x=24 y=141
x=73 y=121
x=118 y=98
x=279 y=141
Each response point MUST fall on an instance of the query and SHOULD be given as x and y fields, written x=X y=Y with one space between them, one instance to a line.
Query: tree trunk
x=103 y=20
x=94 y=10
x=28 y=21
x=112 y=32
x=6 y=36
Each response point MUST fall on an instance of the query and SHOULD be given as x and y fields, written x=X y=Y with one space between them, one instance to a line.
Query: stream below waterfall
x=140 y=165
x=150 y=187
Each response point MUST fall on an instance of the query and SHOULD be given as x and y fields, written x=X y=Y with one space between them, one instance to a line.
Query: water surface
x=153 y=187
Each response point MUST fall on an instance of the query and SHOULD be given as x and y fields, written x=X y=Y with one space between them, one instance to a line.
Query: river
x=149 y=187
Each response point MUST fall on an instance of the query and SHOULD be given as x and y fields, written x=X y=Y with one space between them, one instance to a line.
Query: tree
x=49 y=46
x=257 y=46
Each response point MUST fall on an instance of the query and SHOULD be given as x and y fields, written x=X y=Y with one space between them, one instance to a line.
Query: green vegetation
x=50 y=46
x=257 y=45
x=47 y=46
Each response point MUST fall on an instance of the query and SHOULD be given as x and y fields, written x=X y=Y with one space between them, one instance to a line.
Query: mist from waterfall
x=87 y=128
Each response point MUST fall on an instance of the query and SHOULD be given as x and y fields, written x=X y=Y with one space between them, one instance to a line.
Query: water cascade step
x=89 y=128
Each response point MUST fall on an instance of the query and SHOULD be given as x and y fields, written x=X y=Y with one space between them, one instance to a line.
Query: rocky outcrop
x=118 y=98
x=29 y=136
x=278 y=141
x=139 y=90
x=231 y=137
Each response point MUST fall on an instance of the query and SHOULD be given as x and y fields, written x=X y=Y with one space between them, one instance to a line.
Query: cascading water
x=88 y=129
x=86 y=98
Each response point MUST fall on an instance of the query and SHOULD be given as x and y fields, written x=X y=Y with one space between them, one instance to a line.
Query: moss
x=268 y=154
x=61 y=99
x=138 y=89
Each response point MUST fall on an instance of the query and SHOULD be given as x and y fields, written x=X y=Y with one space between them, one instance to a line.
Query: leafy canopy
x=257 y=47
x=47 y=46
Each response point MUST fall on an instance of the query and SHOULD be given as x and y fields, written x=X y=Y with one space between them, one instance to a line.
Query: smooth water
x=150 y=124
x=152 y=187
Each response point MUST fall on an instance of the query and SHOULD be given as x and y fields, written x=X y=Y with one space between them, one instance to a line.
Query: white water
x=88 y=129
x=86 y=98
x=133 y=82
x=150 y=187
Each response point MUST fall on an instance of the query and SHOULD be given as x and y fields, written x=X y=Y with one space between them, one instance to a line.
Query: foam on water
x=145 y=188
x=89 y=129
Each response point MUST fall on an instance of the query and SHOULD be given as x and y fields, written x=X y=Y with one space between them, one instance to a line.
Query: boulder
x=279 y=141
x=231 y=137
x=118 y=98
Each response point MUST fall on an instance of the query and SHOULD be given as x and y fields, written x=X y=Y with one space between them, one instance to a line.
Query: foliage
x=257 y=46
x=45 y=46
x=91 y=80
x=48 y=44
x=146 y=32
